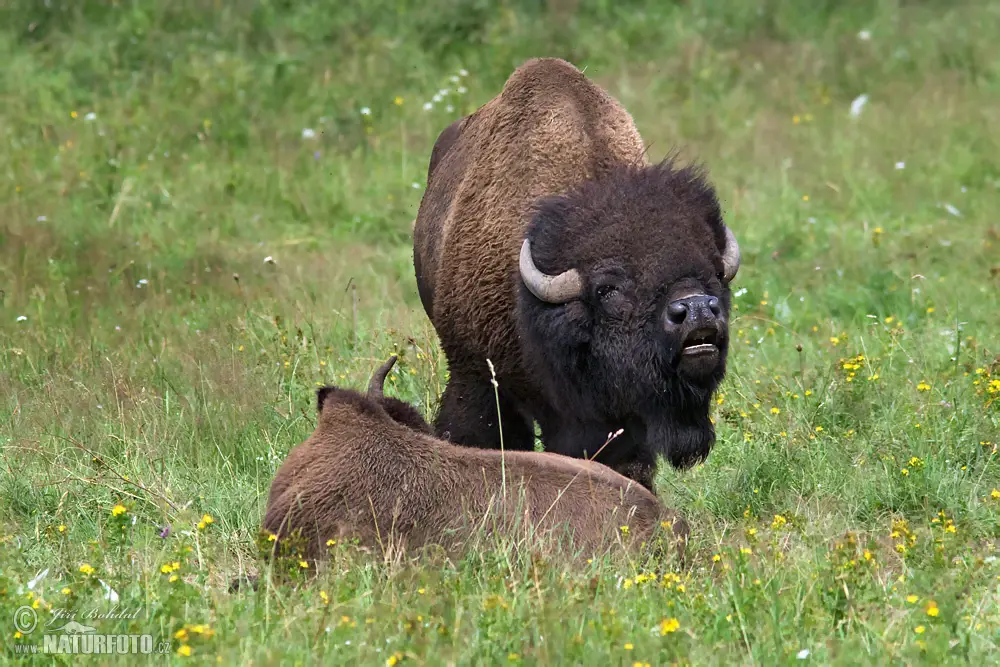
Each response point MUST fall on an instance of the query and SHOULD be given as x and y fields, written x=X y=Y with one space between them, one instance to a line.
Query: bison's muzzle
x=698 y=323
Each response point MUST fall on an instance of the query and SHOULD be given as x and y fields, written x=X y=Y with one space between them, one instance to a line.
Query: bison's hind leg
x=468 y=415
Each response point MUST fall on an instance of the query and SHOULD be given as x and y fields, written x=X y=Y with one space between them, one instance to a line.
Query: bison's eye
x=605 y=292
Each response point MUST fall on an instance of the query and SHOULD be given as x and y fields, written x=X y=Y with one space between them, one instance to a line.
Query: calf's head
x=400 y=411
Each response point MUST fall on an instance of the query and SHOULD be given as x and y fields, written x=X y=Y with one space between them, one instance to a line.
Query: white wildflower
x=858 y=104
x=109 y=593
x=308 y=133
x=34 y=582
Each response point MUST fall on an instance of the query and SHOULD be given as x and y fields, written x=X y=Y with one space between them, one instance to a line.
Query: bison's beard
x=663 y=412
x=685 y=439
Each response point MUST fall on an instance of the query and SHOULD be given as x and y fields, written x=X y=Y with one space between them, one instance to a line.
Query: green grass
x=147 y=374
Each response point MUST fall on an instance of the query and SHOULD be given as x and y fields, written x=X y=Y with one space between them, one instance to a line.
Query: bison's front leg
x=625 y=453
x=641 y=472
x=468 y=415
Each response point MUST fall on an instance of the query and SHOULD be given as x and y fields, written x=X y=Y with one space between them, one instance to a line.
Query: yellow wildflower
x=669 y=625
x=86 y=568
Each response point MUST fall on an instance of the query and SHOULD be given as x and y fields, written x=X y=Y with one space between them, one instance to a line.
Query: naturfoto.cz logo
x=75 y=637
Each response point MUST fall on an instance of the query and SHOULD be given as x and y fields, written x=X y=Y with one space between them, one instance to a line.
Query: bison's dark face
x=625 y=301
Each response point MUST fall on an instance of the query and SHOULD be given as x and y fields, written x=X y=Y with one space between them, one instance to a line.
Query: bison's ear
x=321 y=396
x=444 y=142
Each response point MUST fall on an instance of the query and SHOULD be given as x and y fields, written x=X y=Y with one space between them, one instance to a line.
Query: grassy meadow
x=205 y=212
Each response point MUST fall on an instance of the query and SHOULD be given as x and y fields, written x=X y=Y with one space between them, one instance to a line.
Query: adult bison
x=596 y=283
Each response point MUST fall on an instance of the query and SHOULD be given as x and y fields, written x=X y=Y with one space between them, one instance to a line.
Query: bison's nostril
x=693 y=310
x=677 y=311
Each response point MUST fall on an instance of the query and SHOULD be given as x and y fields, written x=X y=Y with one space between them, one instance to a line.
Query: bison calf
x=373 y=470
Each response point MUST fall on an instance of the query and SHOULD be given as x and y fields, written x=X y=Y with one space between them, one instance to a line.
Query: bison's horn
x=731 y=257
x=378 y=378
x=564 y=287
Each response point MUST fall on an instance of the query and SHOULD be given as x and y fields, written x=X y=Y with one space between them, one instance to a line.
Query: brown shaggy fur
x=372 y=471
x=548 y=130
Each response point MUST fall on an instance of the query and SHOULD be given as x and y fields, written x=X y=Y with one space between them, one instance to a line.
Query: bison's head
x=625 y=298
x=331 y=400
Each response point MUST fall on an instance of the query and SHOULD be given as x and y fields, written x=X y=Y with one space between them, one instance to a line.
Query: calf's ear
x=321 y=395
